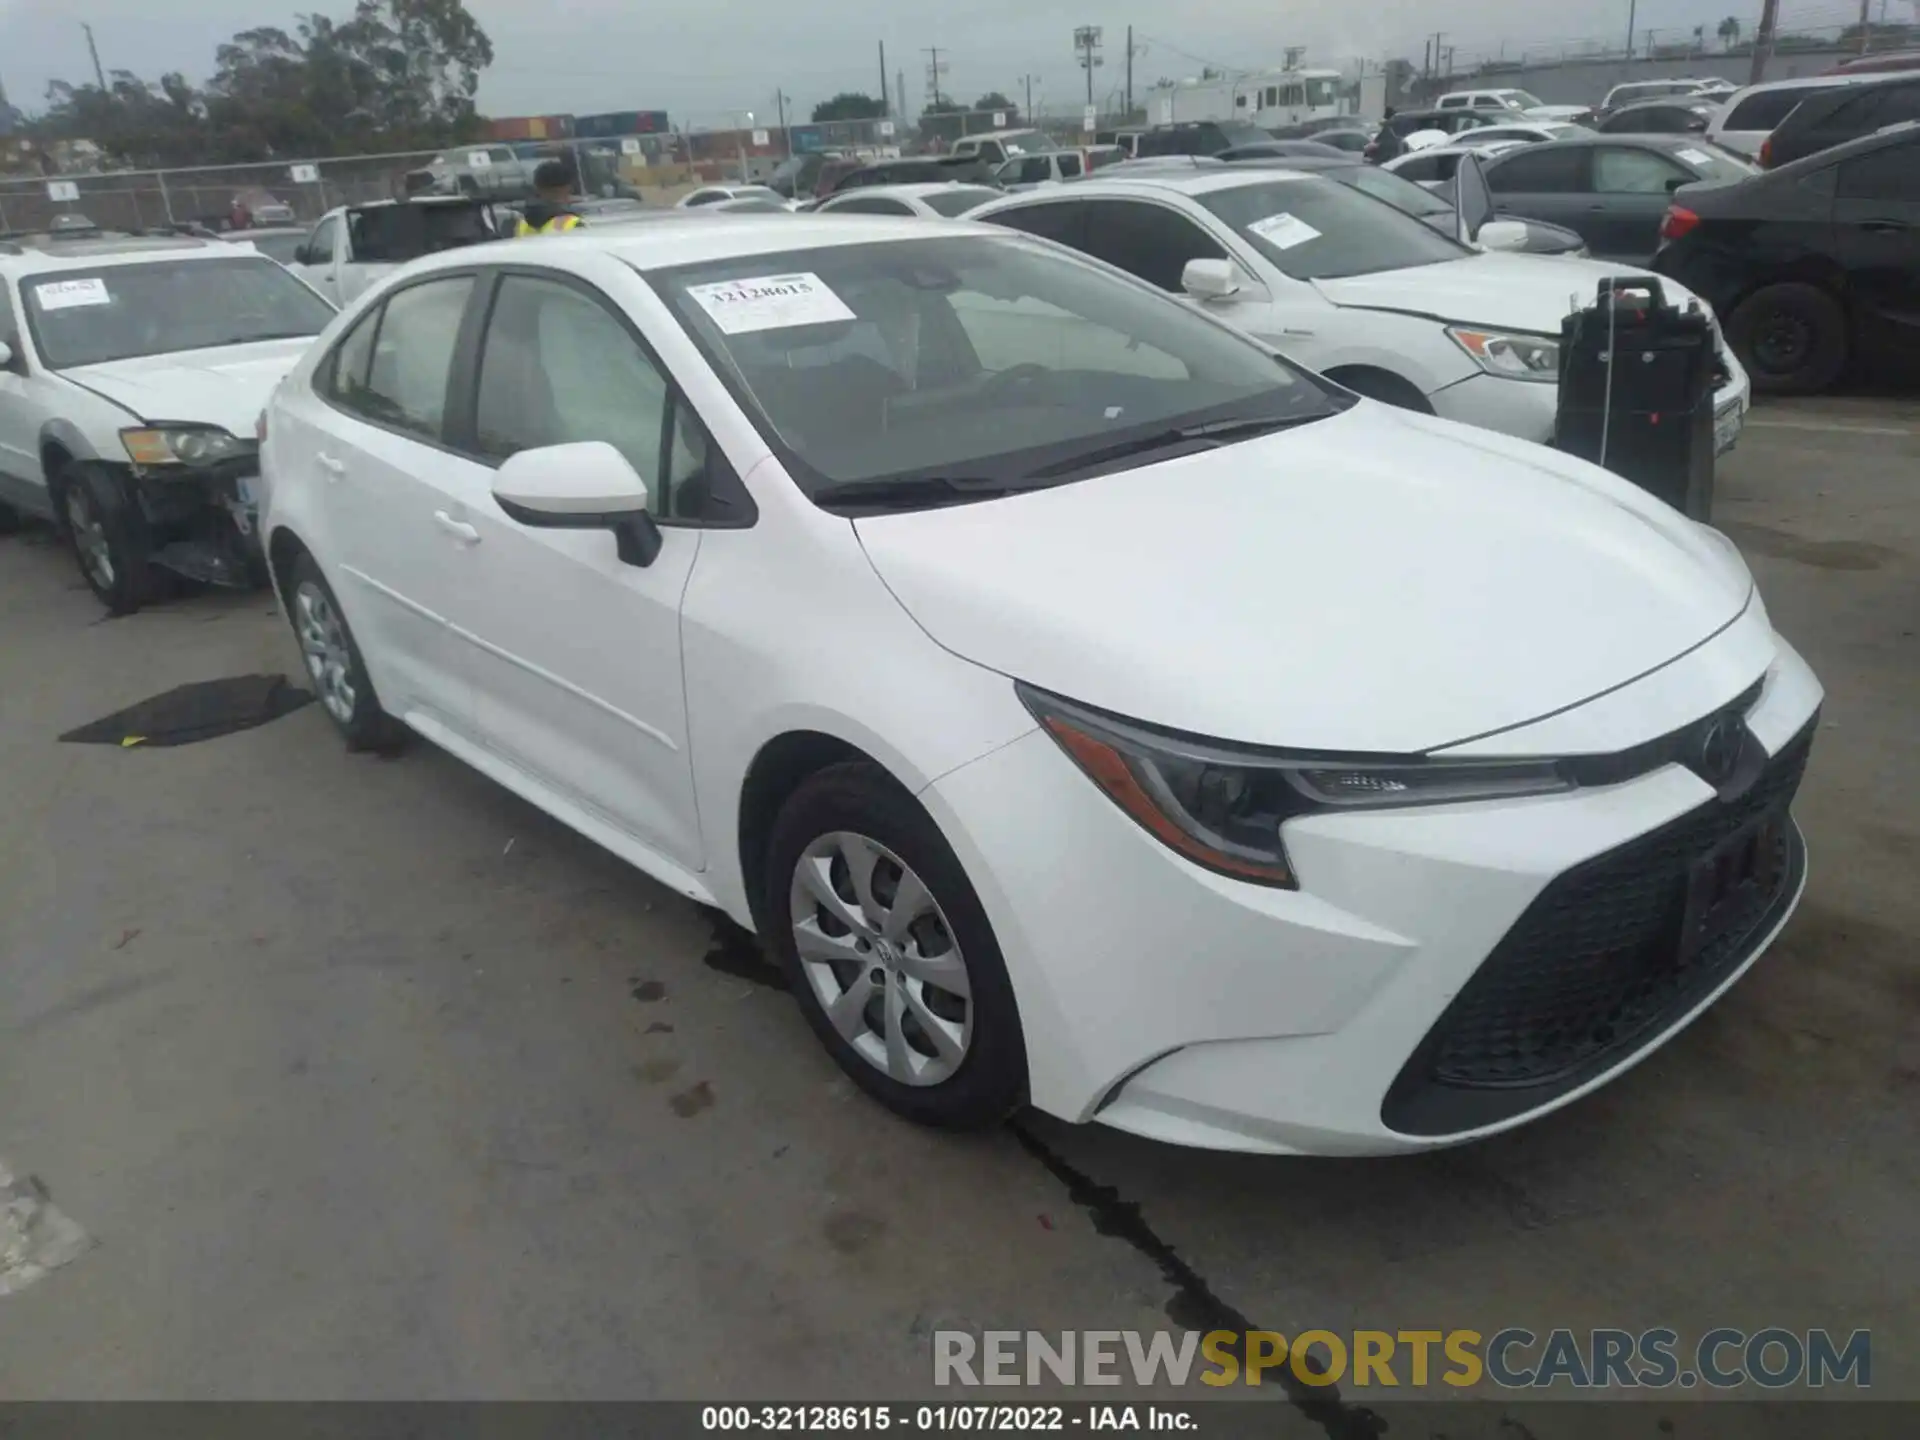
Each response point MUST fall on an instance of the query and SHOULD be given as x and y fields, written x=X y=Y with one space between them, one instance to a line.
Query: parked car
x=714 y=194
x=1834 y=117
x=996 y=147
x=1392 y=137
x=1455 y=771
x=1879 y=63
x=1612 y=189
x=491 y=172
x=1747 y=117
x=1509 y=105
x=1435 y=166
x=1198 y=137
x=355 y=245
x=1353 y=139
x=1342 y=283
x=1050 y=167
x=1634 y=91
x=1126 y=138
x=1527 y=132
x=1281 y=150
x=942 y=201
x=1658 y=117
x=970 y=169
x=257 y=207
x=1435 y=206
x=279 y=243
x=797 y=175
x=1813 y=264
x=131 y=376
x=71 y=225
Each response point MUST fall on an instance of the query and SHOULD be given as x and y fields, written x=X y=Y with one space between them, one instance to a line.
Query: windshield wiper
x=1204 y=433
x=917 y=489
x=265 y=335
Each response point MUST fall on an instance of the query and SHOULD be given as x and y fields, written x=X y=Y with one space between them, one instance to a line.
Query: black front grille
x=1597 y=966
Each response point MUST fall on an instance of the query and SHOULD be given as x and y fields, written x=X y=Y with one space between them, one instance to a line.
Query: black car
x=1811 y=264
x=1433 y=209
x=1391 y=139
x=1350 y=138
x=1610 y=189
x=1197 y=137
x=1836 y=116
x=914 y=170
x=1657 y=117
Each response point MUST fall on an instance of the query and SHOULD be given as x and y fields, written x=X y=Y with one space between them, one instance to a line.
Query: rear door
x=1632 y=188
x=22 y=412
x=1543 y=182
x=322 y=270
x=1876 y=215
x=368 y=439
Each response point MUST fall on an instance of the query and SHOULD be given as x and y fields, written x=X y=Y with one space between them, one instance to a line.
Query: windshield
x=1318 y=229
x=1716 y=165
x=84 y=317
x=970 y=357
x=958 y=200
x=1027 y=142
x=1521 y=99
x=1322 y=90
x=1396 y=190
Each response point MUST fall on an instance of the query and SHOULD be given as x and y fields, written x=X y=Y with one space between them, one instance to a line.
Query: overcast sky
x=698 y=61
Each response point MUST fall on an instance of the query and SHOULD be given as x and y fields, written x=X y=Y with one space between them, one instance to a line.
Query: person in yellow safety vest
x=550 y=213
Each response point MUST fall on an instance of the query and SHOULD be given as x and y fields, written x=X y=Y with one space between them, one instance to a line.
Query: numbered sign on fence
x=999 y=119
x=761 y=137
x=1089 y=118
x=886 y=127
x=478 y=160
x=305 y=174
x=630 y=146
x=64 y=191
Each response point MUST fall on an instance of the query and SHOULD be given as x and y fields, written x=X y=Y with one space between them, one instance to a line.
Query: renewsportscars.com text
x=1513 y=1358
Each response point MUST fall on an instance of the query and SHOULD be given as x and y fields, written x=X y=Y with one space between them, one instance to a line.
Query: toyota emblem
x=1720 y=748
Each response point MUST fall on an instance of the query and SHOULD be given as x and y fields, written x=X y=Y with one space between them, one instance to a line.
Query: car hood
x=1378 y=581
x=227 y=387
x=1557 y=113
x=1519 y=291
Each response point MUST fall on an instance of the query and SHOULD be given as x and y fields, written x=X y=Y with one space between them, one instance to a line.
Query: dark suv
x=1391 y=141
x=1197 y=137
x=1846 y=112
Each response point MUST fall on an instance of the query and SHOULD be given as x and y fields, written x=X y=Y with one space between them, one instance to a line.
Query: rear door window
x=1147 y=240
x=1766 y=109
x=1540 y=170
x=1891 y=174
x=413 y=355
x=1064 y=222
x=1618 y=170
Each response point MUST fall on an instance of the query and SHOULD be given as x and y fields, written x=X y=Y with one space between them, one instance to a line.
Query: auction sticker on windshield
x=66 y=294
x=770 y=302
x=1695 y=157
x=1284 y=231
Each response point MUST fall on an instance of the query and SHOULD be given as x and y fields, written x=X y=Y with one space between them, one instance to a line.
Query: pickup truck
x=356 y=245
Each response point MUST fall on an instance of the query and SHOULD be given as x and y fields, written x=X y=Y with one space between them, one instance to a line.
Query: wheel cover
x=881 y=958
x=1782 y=342
x=90 y=538
x=323 y=645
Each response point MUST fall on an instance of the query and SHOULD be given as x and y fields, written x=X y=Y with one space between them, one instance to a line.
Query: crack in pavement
x=1194 y=1305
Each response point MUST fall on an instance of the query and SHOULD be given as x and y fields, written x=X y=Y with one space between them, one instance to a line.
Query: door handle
x=459 y=529
x=1884 y=227
x=334 y=468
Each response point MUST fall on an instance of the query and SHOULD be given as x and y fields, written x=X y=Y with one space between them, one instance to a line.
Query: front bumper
x=1172 y=1002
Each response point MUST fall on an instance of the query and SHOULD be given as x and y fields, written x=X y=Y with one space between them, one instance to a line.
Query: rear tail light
x=1766 y=153
x=1679 y=221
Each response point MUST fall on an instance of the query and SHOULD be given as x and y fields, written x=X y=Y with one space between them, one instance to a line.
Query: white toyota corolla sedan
x=1083 y=704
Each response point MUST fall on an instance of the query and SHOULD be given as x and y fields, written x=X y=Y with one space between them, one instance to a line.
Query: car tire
x=107 y=535
x=1792 y=339
x=930 y=1053
x=332 y=659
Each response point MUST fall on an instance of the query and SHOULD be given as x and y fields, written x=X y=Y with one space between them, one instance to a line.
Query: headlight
x=1222 y=807
x=182 y=445
x=1518 y=357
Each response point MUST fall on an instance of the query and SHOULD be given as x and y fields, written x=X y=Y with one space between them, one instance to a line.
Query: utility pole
x=1865 y=35
x=1086 y=39
x=1763 y=42
x=900 y=91
x=934 y=68
x=786 y=135
x=94 y=50
x=1027 y=80
x=885 y=108
x=1129 y=72
x=1633 y=7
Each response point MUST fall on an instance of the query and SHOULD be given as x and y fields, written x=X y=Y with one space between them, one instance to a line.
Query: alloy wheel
x=90 y=538
x=323 y=645
x=1782 y=343
x=881 y=958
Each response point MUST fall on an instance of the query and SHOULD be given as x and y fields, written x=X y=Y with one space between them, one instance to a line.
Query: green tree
x=1729 y=32
x=849 y=105
x=994 y=100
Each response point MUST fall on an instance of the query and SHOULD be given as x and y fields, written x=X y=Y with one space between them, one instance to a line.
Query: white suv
x=132 y=377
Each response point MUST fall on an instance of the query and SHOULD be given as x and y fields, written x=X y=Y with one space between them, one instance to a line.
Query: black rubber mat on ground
x=191 y=713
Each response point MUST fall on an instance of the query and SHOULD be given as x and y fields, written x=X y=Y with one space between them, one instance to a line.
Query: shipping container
x=621 y=122
x=530 y=127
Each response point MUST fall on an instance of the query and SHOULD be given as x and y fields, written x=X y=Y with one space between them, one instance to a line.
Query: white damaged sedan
x=1083 y=706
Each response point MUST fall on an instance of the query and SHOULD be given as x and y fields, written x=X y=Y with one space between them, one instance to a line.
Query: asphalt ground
x=366 y=1080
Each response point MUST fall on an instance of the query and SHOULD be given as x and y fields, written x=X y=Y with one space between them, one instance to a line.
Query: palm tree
x=1729 y=32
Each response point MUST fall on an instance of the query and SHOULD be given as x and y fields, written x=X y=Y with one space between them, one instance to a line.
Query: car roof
x=1652 y=142
x=1803 y=82
x=913 y=190
x=1668 y=102
x=94 y=254
x=1202 y=181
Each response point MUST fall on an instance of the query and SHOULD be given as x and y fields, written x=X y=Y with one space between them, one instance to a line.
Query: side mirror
x=1675 y=183
x=1210 y=279
x=1508 y=235
x=303 y=256
x=6 y=356
x=1472 y=198
x=587 y=485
